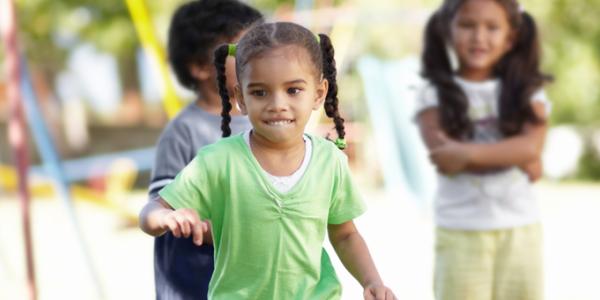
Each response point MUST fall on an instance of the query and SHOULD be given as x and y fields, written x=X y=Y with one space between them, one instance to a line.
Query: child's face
x=480 y=35
x=278 y=91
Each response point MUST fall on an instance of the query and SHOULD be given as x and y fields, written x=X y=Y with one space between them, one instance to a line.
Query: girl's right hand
x=378 y=292
x=449 y=156
x=185 y=222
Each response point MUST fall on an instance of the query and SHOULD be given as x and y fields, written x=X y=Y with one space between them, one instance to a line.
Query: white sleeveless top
x=495 y=199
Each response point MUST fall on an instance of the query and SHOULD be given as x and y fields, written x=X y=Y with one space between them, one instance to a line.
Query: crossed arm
x=451 y=156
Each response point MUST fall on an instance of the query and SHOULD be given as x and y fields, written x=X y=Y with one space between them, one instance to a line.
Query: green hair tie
x=340 y=143
x=231 y=49
x=318 y=38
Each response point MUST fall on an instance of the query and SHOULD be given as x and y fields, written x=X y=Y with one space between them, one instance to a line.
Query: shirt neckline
x=303 y=165
x=262 y=174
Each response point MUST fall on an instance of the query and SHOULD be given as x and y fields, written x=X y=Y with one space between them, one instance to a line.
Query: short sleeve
x=426 y=97
x=347 y=203
x=169 y=160
x=173 y=152
x=188 y=190
x=540 y=96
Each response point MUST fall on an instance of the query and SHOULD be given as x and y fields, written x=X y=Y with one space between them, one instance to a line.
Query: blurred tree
x=269 y=4
x=572 y=40
x=58 y=26
x=49 y=29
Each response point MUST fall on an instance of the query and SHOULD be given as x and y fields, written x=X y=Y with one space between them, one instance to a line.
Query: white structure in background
x=97 y=76
x=75 y=118
x=153 y=91
x=563 y=149
x=391 y=88
x=149 y=78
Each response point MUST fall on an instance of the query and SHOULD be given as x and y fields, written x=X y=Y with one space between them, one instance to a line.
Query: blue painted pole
x=53 y=167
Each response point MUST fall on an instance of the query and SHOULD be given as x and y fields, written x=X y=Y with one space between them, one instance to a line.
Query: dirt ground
x=398 y=231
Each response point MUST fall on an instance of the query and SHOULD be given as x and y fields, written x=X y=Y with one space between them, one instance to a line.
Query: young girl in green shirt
x=274 y=192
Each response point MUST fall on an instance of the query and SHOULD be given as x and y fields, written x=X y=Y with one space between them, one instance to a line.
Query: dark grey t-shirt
x=178 y=144
x=183 y=270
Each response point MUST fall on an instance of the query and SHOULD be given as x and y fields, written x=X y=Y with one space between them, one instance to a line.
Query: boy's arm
x=354 y=254
x=172 y=155
x=156 y=209
x=158 y=216
x=152 y=215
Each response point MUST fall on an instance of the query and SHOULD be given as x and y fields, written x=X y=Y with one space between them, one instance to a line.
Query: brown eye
x=294 y=91
x=258 y=93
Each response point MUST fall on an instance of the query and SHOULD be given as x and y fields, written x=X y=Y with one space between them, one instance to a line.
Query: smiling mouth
x=279 y=122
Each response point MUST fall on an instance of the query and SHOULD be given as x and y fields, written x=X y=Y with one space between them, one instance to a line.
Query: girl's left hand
x=533 y=170
x=378 y=292
x=450 y=156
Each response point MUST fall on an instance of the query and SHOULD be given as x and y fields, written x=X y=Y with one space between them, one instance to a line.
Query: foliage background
x=569 y=29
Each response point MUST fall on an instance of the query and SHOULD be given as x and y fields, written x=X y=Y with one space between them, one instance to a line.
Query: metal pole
x=16 y=132
x=53 y=166
x=143 y=25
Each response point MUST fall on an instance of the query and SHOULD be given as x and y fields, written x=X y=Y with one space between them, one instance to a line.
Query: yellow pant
x=489 y=265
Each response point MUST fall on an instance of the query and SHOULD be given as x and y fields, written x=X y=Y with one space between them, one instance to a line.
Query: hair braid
x=330 y=73
x=521 y=78
x=437 y=68
x=221 y=54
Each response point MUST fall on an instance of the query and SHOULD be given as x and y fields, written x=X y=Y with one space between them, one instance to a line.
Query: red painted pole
x=17 y=133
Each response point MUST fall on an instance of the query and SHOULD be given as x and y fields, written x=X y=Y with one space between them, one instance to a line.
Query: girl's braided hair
x=264 y=37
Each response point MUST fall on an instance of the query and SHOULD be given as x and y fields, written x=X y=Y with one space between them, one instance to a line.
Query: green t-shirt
x=268 y=245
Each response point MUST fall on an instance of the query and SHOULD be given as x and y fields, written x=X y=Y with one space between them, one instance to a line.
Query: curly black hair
x=269 y=36
x=197 y=27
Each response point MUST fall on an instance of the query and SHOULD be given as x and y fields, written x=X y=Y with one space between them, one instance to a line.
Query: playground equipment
x=116 y=173
x=147 y=36
x=57 y=174
x=57 y=177
x=17 y=132
x=390 y=89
